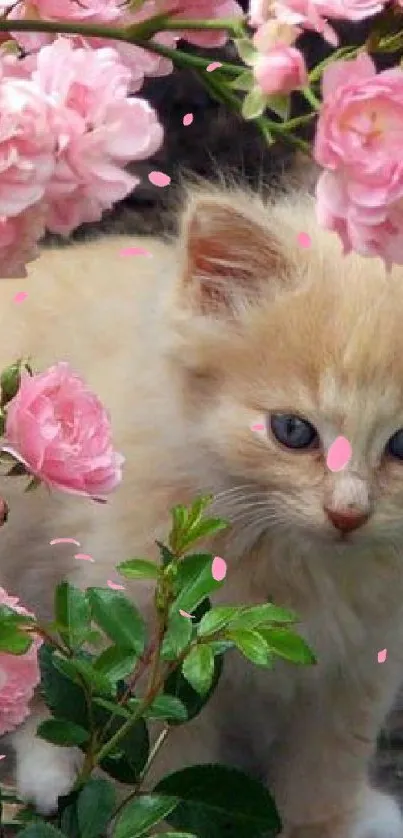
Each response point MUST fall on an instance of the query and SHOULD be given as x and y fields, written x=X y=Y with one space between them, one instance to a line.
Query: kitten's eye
x=395 y=445
x=293 y=431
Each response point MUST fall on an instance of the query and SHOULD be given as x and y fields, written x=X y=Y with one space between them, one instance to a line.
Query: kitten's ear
x=229 y=252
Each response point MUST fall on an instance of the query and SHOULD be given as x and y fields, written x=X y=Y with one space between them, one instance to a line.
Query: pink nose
x=346 y=520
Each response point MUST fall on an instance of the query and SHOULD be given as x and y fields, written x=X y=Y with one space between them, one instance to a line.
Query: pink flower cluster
x=279 y=67
x=61 y=432
x=359 y=144
x=69 y=124
x=19 y=675
x=313 y=14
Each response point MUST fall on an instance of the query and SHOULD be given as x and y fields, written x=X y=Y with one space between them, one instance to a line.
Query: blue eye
x=395 y=445
x=294 y=432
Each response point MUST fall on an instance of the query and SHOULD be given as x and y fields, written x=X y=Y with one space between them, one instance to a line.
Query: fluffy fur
x=188 y=349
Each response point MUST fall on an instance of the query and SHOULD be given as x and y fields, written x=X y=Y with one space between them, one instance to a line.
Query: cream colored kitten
x=249 y=328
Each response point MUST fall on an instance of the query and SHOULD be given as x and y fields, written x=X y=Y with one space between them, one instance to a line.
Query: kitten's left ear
x=229 y=251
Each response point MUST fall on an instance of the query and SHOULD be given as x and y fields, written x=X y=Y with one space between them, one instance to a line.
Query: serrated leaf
x=115 y=664
x=198 y=668
x=177 y=637
x=179 y=687
x=217 y=619
x=217 y=801
x=118 y=618
x=258 y=615
x=138 y=569
x=95 y=806
x=167 y=707
x=63 y=697
x=142 y=813
x=62 y=732
x=252 y=645
x=202 y=529
x=194 y=582
x=246 y=50
x=254 y=104
x=72 y=612
x=82 y=670
x=289 y=645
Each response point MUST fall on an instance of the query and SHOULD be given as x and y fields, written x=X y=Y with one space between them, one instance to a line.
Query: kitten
x=250 y=328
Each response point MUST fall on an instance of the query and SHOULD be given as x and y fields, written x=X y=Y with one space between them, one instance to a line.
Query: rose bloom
x=359 y=141
x=19 y=675
x=61 y=432
x=313 y=14
x=281 y=70
x=99 y=129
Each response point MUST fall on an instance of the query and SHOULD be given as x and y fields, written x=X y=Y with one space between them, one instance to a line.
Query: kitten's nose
x=347 y=520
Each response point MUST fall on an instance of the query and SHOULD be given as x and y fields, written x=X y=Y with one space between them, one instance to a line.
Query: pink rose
x=60 y=430
x=19 y=675
x=99 y=129
x=281 y=70
x=359 y=141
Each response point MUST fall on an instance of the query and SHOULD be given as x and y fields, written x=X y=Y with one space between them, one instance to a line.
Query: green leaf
x=115 y=664
x=286 y=644
x=194 y=582
x=72 y=611
x=13 y=641
x=10 y=380
x=62 y=732
x=142 y=813
x=168 y=708
x=216 y=800
x=167 y=556
x=40 y=829
x=8 y=616
x=246 y=50
x=217 y=619
x=79 y=670
x=280 y=105
x=177 y=637
x=126 y=762
x=203 y=529
x=252 y=645
x=198 y=668
x=138 y=569
x=118 y=618
x=244 y=81
x=95 y=807
x=113 y=707
x=63 y=697
x=258 y=615
x=179 y=687
x=254 y=104
x=173 y=835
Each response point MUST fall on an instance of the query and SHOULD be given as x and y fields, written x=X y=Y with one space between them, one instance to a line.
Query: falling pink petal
x=115 y=586
x=304 y=240
x=135 y=251
x=21 y=296
x=84 y=557
x=382 y=655
x=185 y=614
x=339 y=454
x=218 y=569
x=2 y=756
x=258 y=426
x=159 y=179
x=65 y=541
x=213 y=66
x=187 y=119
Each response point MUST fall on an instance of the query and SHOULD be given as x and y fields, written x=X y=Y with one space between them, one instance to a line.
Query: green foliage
x=118 y=702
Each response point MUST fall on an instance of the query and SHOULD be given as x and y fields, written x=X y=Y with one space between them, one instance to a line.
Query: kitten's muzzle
x=347 y=520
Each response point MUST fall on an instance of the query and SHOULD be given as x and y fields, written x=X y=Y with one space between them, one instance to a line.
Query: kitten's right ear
x=229 y=251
